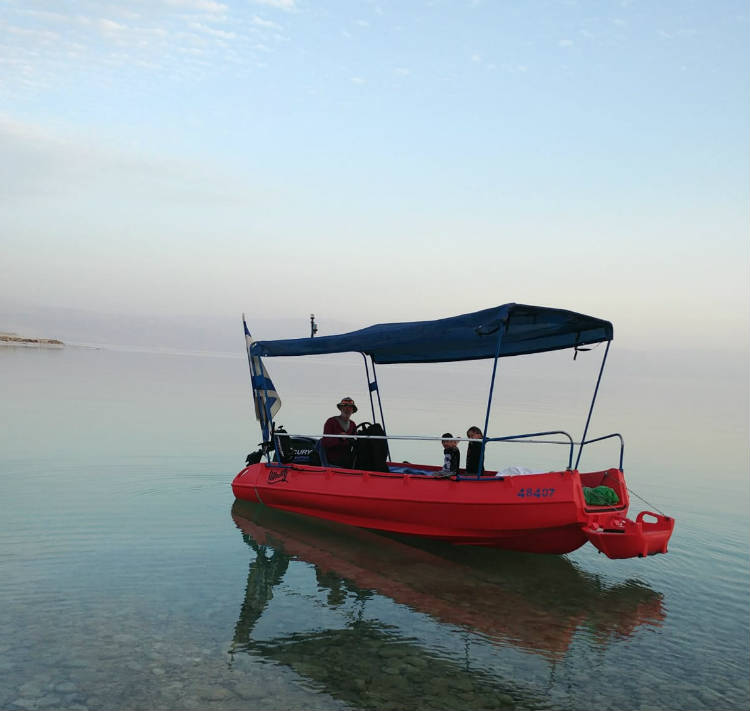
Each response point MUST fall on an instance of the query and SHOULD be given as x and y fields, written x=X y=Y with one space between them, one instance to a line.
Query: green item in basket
x=600 y=496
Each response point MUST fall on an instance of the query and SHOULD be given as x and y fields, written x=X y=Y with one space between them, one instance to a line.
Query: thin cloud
x=202 y=5
x=260 y=22
x=41 y=35
x=211 y=31
x=677 y=33
x=110 y=25
x=565 y=43
x=285 y=5
x=44 y=49
x=45 y=15
x=512 y=68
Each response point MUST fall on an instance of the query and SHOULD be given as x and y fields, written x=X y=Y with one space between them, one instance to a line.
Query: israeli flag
x=265 y=398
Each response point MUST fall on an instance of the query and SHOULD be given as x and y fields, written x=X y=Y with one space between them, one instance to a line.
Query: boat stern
x=619 y=537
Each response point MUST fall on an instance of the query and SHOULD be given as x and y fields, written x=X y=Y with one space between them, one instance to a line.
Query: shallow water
x=132 y=580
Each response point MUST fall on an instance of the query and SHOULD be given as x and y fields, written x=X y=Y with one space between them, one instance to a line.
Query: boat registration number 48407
x=531 y=493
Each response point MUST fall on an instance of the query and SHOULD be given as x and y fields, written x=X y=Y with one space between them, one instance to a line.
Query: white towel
x=516 y=471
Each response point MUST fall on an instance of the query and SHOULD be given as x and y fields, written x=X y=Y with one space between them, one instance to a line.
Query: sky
x=374 y=161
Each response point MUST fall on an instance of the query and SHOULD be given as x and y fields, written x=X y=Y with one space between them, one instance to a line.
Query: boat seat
x=407 y=468
x=321 y=451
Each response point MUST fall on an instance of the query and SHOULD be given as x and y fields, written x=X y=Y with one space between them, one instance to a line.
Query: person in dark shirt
x=451 y=456
x=474 y=450
x=340 y=452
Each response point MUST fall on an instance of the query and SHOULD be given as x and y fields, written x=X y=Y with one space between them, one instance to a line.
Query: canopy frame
x=372 y=386
x=520 y=329
x=591 y=408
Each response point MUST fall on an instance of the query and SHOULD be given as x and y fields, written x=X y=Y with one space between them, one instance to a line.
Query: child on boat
x=473 y=450
x=451 y=456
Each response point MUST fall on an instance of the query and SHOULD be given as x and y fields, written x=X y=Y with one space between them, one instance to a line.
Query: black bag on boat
x=254 y=457
x=371 y=454
x=257 y=455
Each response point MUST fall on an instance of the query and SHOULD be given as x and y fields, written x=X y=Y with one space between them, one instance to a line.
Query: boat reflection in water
x=530 y=603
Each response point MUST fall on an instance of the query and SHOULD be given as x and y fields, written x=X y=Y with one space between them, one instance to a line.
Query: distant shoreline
x=13 y=339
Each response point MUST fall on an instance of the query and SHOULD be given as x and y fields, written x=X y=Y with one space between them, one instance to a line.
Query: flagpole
x=258 y=405
x=265 y=397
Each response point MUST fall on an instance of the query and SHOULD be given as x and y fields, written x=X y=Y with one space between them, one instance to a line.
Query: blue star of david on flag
x=265 y=398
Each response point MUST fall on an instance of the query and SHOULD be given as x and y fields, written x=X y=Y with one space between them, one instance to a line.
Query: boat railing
x=526 y=438
x=599 y=439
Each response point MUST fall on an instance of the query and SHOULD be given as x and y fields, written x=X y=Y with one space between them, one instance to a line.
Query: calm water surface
x=132 y=580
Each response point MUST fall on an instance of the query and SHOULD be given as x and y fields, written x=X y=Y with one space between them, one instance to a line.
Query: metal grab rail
x=508 y=438
x=609 y=436
x=434 y=438
x=511 y=438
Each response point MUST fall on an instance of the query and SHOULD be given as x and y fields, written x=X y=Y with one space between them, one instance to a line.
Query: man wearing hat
x=340 y=451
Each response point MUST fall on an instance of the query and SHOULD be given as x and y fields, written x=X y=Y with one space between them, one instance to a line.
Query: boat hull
x=540 y=513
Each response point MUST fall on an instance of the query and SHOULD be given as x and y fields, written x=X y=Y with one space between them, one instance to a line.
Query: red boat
x=538 y=513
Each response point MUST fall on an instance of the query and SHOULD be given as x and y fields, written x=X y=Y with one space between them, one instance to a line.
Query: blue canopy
x=528 y=329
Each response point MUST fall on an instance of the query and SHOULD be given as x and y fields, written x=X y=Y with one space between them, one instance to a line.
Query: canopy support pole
x=371 y=385
x=503 y=326
x=591 y=409
x=380 y=404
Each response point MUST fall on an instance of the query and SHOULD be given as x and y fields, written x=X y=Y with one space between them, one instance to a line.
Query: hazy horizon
x=223 y=336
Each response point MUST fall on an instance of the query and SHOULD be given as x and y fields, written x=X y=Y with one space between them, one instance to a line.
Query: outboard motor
x=295 y=449
x=287 y=448
x=303 y=451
